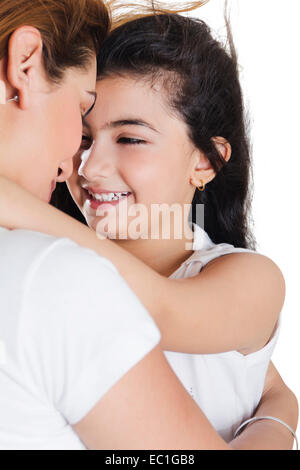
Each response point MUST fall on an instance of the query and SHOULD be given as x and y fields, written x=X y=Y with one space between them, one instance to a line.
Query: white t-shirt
x=226 y=386
x=70 y=328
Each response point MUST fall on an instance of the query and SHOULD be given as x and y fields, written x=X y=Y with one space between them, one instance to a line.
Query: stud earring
x=15 y=98
x=3 y=99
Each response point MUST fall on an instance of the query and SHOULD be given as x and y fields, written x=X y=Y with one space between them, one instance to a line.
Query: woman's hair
x=202 y=86
x=121 y=12
x=71 y=30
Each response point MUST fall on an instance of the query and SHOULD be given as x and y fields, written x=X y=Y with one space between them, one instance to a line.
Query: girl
x=161 y=129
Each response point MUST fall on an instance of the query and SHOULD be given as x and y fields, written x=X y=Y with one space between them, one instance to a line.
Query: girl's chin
x=100 y=227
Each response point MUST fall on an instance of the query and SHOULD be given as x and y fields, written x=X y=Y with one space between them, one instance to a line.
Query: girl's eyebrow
x=129 y=122
x=123 y=122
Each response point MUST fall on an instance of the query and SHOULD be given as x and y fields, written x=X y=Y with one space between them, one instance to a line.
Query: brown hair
x=121 y=12
x=71 y=30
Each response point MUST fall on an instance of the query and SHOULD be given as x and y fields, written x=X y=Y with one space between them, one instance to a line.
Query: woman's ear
x=25 y=70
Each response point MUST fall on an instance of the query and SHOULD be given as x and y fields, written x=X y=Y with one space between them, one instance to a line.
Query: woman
x=156 y=281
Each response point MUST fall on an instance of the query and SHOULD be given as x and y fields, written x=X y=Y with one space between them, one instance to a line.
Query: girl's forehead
x=136 y=94
x=136 y=82
x=135 y=98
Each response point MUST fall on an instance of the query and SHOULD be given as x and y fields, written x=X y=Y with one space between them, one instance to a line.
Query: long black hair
x=202 y=84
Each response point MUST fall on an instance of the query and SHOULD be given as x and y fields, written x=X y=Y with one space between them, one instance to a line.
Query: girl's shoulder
x=205 y=250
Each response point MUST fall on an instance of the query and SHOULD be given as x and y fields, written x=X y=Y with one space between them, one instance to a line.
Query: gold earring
x=202 y=187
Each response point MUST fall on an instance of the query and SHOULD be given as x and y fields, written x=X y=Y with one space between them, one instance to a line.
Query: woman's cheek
x=75 y=135
x=70 y=132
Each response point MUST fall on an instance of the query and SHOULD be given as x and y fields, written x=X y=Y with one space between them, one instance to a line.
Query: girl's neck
x=164 y=256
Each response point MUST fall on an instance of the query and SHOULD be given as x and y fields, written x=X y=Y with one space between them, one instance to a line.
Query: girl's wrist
x=264 y=435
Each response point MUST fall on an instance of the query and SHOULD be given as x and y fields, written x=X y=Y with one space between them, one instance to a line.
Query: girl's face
x=132 y=143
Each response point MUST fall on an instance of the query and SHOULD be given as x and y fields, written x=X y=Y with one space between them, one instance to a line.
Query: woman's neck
x=164 y=256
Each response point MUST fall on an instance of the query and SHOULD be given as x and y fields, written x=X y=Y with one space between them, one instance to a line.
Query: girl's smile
x=105 y=200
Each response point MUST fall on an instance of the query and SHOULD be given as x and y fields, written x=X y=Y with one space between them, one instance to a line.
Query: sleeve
x=82 y=328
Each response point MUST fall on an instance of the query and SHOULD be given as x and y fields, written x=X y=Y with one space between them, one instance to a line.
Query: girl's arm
x=233 y=304
x=277 y=401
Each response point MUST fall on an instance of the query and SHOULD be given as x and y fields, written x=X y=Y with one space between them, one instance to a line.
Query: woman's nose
x=65 y=170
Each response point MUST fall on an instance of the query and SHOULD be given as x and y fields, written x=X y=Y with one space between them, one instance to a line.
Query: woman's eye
x=130 y=141
x=86 y=142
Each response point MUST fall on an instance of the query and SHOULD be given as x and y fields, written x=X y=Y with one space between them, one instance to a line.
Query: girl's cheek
x=76 y=163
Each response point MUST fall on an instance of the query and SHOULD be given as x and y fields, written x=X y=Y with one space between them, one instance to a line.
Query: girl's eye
x=130 y=141
x=86 y=142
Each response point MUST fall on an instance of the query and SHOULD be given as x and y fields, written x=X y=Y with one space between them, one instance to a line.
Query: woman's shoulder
x=27 y=256
x=20 y=250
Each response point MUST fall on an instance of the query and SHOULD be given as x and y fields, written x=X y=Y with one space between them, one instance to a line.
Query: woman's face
x=135 y=145
x=49 y=131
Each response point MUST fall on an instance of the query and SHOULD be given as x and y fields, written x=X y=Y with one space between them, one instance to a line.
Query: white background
x=266 y=36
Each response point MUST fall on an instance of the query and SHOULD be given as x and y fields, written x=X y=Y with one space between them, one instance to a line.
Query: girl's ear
x=223 y=147
x=202 y=171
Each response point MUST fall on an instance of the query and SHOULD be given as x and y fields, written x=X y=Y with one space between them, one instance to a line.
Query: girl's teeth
x=108 y=197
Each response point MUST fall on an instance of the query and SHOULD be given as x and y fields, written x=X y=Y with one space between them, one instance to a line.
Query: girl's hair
x=202 y=86
x=71 y=30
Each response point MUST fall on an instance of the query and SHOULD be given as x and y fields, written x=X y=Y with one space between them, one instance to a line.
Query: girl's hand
x=277 y=401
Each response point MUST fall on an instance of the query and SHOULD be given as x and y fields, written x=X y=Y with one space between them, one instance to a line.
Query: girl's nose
x=96 y=163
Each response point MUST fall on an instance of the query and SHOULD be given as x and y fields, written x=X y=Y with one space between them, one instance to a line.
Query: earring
x=15 y=98
x=202 y=187
x=3 y=99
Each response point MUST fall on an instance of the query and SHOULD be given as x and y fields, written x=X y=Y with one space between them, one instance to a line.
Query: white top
x=70 y=328
x=226 y=386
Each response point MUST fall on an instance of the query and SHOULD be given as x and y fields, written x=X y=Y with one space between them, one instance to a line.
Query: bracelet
x=258 y=418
